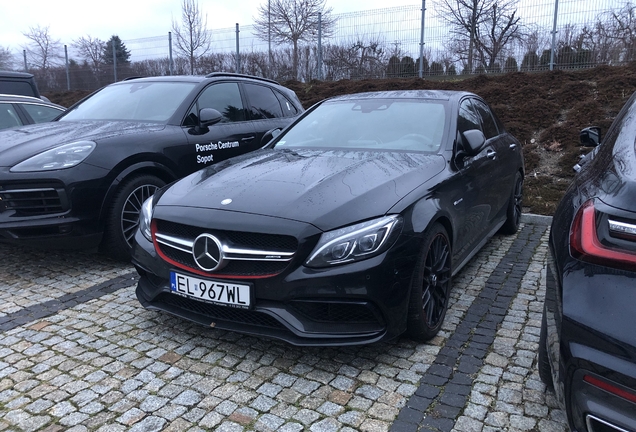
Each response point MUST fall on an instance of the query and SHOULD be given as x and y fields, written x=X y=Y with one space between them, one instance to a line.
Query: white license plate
x=228 y=294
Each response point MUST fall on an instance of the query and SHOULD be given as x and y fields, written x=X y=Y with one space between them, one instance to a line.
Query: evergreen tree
x=511 y=65
x=121 y=52
x=437 y=68
x=530 y=61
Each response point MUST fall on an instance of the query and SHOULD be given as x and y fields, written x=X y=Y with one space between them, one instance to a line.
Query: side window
x=289 y=110
x=41 y=113
x=488 y=122
x=263 y=102
x=468 y=117
x=8 y=116
x=223 y=97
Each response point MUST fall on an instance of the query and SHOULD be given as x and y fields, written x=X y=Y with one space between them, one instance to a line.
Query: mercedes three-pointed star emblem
x=207 y=251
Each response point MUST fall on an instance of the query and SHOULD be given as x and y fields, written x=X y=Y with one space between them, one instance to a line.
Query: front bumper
x=52 y=209
x=352 y=304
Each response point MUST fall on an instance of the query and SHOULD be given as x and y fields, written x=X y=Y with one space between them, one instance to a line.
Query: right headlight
x=355 y=242
x=61 y=157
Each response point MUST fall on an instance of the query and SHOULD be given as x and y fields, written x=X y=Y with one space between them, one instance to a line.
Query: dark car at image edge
x=79 y=181
x=587 y=344
x=345 y=230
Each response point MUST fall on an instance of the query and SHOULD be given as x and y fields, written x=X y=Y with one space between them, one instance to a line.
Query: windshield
x=138 y=101
x=382 y=124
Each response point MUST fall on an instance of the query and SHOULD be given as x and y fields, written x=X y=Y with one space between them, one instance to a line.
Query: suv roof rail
x=132 y=77
x=231 y=74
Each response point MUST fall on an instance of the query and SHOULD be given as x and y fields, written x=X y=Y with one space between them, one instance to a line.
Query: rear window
x=21 y=88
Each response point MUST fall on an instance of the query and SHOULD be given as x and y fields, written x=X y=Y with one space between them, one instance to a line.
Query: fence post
x=320 y=46
x=238 y=55
x=68 y=75
x=112 y=42
x=26 y=69
x=170 y=66
x=422 y=40
x=554 y=32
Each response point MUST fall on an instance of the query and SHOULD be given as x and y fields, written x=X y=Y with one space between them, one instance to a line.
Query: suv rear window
x=16 y=88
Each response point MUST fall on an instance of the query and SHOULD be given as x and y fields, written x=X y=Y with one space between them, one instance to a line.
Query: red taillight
x=610 y=388
x=585 y=245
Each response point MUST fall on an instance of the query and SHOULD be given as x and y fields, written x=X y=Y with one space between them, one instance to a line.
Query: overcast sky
x=133 y=19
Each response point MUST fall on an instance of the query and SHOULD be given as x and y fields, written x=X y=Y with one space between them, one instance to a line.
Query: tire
x=430 y=286
x=515 y=205
x=543 y=362
x=123 y=215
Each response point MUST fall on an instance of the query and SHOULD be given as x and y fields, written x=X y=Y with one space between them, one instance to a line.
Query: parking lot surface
x=78 y=353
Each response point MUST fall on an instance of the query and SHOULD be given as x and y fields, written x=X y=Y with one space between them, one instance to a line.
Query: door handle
x=513 y=146
x=491 y=154
x=248 y=138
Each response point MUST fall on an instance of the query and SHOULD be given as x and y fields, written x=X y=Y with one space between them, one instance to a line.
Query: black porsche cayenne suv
x=80 y=181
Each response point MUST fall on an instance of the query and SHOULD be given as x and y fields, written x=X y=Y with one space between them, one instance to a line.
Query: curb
x=536 y=219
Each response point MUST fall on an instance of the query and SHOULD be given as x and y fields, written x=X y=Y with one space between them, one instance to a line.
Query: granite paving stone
x=78 y=352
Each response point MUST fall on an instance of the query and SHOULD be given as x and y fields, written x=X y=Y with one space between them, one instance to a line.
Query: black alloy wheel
x=123 y=219
x=431 y=286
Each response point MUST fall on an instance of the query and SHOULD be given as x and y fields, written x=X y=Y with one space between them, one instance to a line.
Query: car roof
x=200 y=78
x=405 y=94
x=27 y=99
x=12 y=74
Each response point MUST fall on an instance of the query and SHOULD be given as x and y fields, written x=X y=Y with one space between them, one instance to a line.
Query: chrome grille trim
x=622 y=227
x=229 y=253
x=590 y=426
x=174 y=242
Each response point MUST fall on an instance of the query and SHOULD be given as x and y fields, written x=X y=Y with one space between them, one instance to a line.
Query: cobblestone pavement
x=78 y=353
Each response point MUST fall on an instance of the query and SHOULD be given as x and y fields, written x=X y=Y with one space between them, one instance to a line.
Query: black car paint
x=320 y=190
x=124 y=149
x=589 y=307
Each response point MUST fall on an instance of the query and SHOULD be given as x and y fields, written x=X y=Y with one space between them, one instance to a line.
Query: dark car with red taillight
x=587 y=344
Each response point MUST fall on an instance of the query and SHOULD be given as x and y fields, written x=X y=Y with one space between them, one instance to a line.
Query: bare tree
x=42 y=51
x=620 y=25
x=293 y=21
x=500 y=27
x=91 y=50
x=484 y=27
x=192 y=38
x=6 y=58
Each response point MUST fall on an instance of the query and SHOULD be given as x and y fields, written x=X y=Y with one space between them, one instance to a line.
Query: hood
x=18 y=144
x=325 y=188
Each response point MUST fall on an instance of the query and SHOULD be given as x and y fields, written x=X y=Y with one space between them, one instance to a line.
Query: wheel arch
x=140 y=168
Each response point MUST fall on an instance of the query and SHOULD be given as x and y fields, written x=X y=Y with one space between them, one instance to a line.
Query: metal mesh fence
x=386 y=42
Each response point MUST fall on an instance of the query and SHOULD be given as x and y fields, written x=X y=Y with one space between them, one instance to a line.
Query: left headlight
x=64 y=156
x=355 y=242
x=145 y=218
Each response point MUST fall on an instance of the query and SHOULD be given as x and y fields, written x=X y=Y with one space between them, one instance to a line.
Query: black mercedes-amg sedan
x=80 y=181
x=346 y=229
x=587 y=344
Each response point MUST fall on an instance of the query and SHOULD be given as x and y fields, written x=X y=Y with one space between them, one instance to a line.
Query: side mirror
x=590 y=136
x=209 y=117
x=474 y=140
x=270 y=135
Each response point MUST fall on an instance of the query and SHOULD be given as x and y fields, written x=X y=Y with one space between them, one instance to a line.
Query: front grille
x=335 y=312
x=235 y=239
x=31 y=202
x=233 y=268
x=216 y=312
